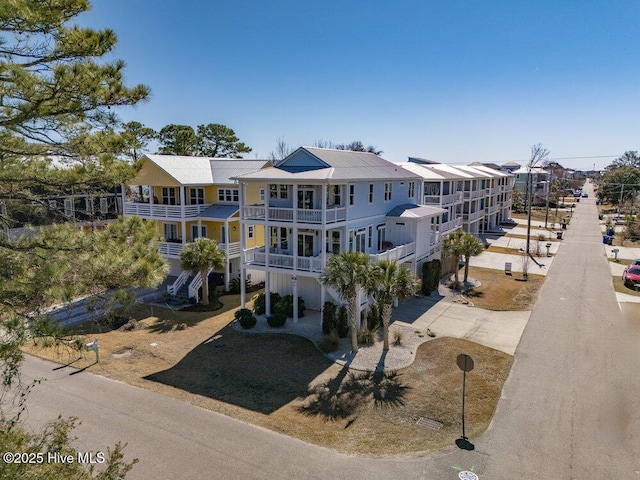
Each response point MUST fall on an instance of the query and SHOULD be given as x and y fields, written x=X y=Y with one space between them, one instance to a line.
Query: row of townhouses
x=278 y=224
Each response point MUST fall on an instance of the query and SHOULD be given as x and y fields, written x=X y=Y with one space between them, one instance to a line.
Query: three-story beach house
x=192 y=197
x=319 y=202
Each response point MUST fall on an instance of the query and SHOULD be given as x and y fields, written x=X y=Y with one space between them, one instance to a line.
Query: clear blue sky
x=453 y=81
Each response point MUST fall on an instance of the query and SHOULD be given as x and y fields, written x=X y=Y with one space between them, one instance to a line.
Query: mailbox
x=93 y=346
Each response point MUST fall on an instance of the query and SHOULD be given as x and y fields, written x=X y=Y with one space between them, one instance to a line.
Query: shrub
x=330 y=342
x=431 y=273
x=285 y=306
x=245 y=317
x=259 y=303
x=277 y=320
x=374 y=317
x=343 y=322
x=234 y=285
x=397 y=337
x=329 y=320
x=366 y=337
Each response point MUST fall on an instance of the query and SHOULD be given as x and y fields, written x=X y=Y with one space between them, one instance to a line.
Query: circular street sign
x=465 y=362
x=467 y=475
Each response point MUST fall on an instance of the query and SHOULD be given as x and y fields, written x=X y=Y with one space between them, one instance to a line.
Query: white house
x=321 y=201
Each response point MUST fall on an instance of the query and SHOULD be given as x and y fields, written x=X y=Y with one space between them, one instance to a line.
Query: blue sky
x=452 y=81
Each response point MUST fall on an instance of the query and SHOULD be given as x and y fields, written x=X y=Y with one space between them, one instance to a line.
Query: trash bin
x=611 y=232
x=607 y=239
x=559 y=235
x=564 y=227
x=578 y=200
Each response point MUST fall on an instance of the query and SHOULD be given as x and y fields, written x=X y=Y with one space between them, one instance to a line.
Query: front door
x=305 y=245
x=305 y=199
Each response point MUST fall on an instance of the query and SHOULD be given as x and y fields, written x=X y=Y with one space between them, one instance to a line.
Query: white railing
x=395 y=254
x=333 y=215
x=232 y=248
x=472 y=217
x=170 y=249
x=474 y=194
x=451 y=225
x=175 y=286
x=196 y=283
x=431 y=199
x=310 y=264
x=145 y=210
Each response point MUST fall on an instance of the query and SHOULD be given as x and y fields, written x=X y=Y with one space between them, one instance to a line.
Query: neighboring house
x=191 y=197
x=321 y=201
x=510 y=166
x=86 y=208
x=540 y=182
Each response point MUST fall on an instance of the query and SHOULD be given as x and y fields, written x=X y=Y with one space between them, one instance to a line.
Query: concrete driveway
x=499 y=330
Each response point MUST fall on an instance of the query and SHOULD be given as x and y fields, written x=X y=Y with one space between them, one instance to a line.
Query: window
x=169 y=196
x=104 y=206
x=357 y=240
x=371 y=193
x=382 y=237
x=228 y=195
x=68 y=207
x=170 y=231
x=196 y=196
x=195 y=233
x=262 y=194
x=336 y=196
x=250 y=231
x=352 y=191
x=305 y=245
x=273 y=191
x=412 y=190
x=284 y=192
x=223 y=235
x=370 y=236
x=387 y=191
x=335 y=242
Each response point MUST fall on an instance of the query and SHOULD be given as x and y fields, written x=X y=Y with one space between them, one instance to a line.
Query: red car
x=631 y=276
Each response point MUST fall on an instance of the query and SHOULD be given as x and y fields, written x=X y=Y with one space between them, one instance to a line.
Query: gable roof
x=310 y=163
x=204 y=170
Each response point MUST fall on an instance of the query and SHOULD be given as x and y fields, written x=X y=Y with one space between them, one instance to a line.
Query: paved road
x=569 y=410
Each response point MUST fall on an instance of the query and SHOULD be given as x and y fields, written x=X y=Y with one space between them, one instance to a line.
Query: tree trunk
x=466 y=268
x=353 y=322
x=386 y=319
x=457 y=278
x=205 y=287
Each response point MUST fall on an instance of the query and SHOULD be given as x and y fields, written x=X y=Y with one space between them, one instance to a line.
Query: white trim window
x=228 y=195
x=371 y=193
x=250 y=231
x=69 y=207
x=411 y=190
x=352 y=193
x=195 y=234
x=169 y=196
x=262 y=194
x=104 y=205
x=170 y=231
x=387 y=191
x=196 y=196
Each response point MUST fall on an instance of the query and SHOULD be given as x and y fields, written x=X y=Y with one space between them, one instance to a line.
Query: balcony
x=474 y=194
x=492 y=191
x=310 y=216
x=146 y=210
x=491 y=210
x=395 y=254
x=472 y=217
x=258 y=257
x=173 y=249
x=451 y=225
x=443 y=200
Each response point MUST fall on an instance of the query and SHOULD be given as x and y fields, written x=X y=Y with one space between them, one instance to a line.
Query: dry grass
x=619 y=286
x=283 y=383
x=501 y=292
x=539 y=216
x=549 y=237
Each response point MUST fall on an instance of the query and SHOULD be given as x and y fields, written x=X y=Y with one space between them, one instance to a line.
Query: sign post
x=465 y=363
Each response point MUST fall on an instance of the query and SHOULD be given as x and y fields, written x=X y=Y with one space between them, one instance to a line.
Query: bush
x=245 y=317
x=374 y=317
x=285 y=306
x=343 y=322
x=330 y=342
x=259 y=303
x=234 y=285
x=277 y=320
x=397 y=337
x=431 y=273
x=329 y=320
x=366 y=337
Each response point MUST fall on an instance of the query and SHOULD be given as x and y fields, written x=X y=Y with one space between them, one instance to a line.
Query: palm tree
x=346 y=272
x=199 y=257
x=464 y=244
x=389 y=281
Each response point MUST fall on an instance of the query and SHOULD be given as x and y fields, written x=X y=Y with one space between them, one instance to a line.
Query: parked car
x=577 y=193
x=635 y=262
x=585 y=195
x=631 y=276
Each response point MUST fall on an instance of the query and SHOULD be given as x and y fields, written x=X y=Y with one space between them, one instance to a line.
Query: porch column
x=294 y=203
x=183 y=221
x=294 y=285
x=243 y=293
x=323 y=296
x=226 y=254
x=267 y=293
x=123 y=194
x=323 y=237
x=151 y=195
x=243 y=272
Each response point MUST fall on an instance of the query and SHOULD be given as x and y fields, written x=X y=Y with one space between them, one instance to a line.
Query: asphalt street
x=569 y=410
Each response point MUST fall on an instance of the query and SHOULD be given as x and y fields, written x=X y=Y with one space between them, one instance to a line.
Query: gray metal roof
x=414 y=211
x=430 y=172
x=219 y=212
x=331 y=165
x=205 y=170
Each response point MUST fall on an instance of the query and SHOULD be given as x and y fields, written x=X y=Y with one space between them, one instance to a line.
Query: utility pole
x=538 y=153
